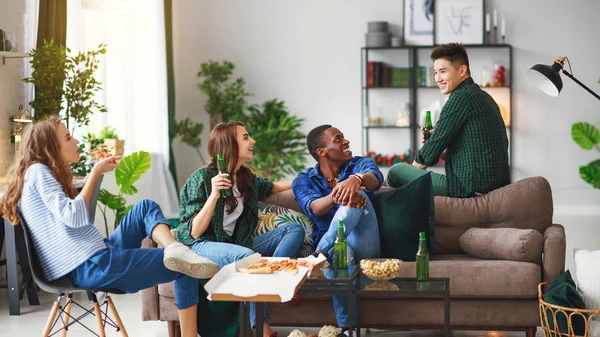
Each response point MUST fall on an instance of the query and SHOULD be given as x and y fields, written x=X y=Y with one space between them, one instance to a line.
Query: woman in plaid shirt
x=221 y=229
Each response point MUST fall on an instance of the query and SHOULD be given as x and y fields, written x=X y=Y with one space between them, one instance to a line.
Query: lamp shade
x=546 y=78
x=22 y=116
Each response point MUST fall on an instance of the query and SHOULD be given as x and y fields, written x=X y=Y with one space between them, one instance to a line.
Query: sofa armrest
x=150 y=301
x=555 y=246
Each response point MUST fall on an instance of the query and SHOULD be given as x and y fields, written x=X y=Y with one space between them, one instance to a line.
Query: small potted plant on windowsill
x=112 y=142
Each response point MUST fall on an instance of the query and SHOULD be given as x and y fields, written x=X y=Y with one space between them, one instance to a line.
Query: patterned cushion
x=273 y=216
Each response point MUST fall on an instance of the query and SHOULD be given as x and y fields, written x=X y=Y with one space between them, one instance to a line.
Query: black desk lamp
x=547 y=78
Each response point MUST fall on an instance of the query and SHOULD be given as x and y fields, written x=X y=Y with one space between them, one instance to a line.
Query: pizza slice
x=262 y=266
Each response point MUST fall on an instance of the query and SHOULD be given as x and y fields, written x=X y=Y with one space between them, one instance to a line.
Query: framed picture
x=418 y=22
x=458 y=21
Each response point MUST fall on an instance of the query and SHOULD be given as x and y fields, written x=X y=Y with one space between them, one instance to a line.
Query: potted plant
x=587 y=137
x=65 y=83
x=112 y=142
x=65 y=86
x=226 y=100
x=280 y=147
x=128 y=172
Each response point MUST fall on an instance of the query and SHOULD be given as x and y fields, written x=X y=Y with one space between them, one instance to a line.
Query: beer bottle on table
x=422 y=259
x=340 y=254
x=222 y=166
x=428 y=125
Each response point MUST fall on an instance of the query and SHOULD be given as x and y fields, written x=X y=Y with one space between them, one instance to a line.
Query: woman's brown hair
x=223 y=140
x=39 y=145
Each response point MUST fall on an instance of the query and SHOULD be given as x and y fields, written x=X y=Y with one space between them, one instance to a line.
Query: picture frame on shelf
x=418 y=22
x=459 y=21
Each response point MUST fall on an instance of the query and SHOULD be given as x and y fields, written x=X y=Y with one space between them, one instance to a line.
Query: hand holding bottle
x=423 y=139
x=427 y=129
x=220 y=182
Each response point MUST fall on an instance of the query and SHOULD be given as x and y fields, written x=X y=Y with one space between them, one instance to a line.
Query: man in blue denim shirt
x=339 y=187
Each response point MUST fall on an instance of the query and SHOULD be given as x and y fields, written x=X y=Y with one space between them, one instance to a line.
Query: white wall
x=12 y=89
x=307 y=53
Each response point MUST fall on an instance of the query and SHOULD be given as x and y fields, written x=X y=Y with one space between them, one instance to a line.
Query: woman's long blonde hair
x=39 y=145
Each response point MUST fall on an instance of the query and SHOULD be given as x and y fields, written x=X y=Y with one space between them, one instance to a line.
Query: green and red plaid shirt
x=192 y=198
x=472 y=132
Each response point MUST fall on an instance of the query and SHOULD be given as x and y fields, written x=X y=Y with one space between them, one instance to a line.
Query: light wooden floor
x=33 y=318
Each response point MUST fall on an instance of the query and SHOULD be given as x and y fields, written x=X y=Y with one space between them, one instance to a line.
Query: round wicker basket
x=550 y=313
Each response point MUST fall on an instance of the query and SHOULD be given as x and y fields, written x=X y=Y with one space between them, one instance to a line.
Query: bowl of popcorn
x=380 y=269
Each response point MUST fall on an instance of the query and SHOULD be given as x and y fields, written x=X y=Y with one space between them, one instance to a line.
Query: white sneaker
x=180 y=258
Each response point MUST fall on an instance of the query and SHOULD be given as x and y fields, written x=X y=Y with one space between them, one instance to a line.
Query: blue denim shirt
x=311 y=185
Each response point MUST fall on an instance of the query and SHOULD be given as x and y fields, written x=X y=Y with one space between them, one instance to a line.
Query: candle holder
x=488 y=39
x=495 y=34
x=503 y=39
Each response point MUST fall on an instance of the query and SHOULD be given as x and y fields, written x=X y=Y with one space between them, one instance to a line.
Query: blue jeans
x=127 y=267
x=283 y=241
x=362 y=238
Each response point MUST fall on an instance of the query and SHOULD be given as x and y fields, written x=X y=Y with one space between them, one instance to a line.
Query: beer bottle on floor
x=422 y=259
x=222 y=166
x=428 y=125
x=340 y=258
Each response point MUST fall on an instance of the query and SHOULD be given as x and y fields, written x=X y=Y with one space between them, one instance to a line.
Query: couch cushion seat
x=476 y=278
x=469 y=277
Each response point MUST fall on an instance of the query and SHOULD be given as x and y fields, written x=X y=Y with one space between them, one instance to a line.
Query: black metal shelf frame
x=413 y=62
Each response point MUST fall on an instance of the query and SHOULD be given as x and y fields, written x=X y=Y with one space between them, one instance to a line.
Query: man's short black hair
x=453 y=52
x=314 y=139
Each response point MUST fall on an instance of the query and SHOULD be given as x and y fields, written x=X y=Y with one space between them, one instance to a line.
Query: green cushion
x=563 y=292
x=402 y=213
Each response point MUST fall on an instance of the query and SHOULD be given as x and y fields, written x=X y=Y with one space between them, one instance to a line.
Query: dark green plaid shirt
x=192 y=198
x=472 y=132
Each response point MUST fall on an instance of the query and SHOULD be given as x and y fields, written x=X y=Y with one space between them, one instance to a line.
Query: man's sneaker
x=345 y=332
x=180 y=258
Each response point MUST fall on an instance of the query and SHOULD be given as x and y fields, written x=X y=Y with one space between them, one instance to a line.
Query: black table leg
x=350 y=311
x=14 y=307
x=357 y=315
x=245 y=329
x=447 y=315
x=260 y=308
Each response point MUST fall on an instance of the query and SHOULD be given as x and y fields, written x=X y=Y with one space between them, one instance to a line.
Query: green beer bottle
x=422 y=259
x=340 y=258
x=428 y=125
x=222 y=166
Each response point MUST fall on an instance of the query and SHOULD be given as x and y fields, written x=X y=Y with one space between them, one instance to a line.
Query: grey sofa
x=485 y=294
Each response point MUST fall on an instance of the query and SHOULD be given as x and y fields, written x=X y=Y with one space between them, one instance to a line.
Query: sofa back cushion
x=524 y=204
x=401 y=214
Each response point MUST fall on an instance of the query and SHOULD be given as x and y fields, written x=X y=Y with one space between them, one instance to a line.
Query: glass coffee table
x=405 y=287
x=334 y=282
x=322 y=281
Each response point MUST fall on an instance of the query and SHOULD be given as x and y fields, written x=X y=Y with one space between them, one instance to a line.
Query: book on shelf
x=381 y=75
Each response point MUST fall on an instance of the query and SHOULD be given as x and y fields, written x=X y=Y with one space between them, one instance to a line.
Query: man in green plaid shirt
x=470 y=129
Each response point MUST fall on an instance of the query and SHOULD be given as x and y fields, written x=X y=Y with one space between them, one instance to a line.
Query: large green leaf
x=131 y=169
x=590 y=173
x=110 y=200
x=585 y=135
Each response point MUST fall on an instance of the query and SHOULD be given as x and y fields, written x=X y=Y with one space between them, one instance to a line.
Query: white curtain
x=31 y=27
x=134 y=78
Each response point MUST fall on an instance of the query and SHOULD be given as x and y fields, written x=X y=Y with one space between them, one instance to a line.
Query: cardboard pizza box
x=231 y=285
